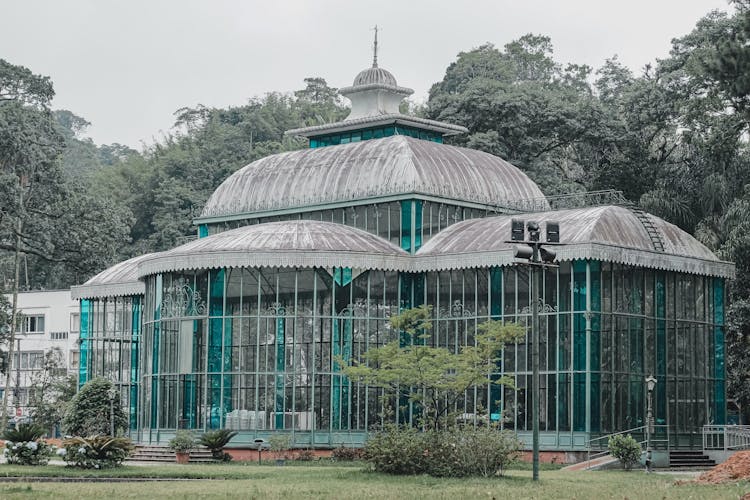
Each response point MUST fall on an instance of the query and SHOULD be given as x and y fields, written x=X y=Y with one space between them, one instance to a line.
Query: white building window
x=75 y=322
x=32 y=324
x=58 y=335
x=30 y=360
x=75 y=358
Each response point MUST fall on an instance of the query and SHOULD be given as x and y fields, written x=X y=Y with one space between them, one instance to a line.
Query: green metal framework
x=109 y=337
x=260 y=350
x=374 y=133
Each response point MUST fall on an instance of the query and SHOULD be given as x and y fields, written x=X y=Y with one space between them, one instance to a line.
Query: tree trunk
x=13 y=318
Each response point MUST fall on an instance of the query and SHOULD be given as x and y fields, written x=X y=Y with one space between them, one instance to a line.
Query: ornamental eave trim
x=426 y=263
x=101 y=290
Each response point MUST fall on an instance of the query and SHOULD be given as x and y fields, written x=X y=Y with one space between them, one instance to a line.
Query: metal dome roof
x=607 y=233
x=298 y=243
x=369 y=169
x=118 y=280
x=375 y=76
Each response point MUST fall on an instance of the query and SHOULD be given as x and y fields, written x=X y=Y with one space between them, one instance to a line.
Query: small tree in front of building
x=433 y=378
x=89 y=412
x=625 y=449
x=51 y=392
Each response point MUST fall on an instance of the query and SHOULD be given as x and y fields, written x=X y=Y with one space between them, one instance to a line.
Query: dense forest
x=672 y=137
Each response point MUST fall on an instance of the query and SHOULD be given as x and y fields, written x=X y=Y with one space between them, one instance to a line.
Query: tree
x=433 y=378
x=51 y=391
x=29 y=174
x=90 y=410
x=521 y=105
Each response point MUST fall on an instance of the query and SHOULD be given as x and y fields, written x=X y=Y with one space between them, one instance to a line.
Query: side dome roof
x=369 y=169
x=116 y=281
x=606 y=233
x=298 y=243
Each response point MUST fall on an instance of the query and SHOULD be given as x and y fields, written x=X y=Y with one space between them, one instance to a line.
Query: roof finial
x=375 y=49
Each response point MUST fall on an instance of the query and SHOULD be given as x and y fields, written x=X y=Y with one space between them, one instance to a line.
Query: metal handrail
x=726 y=437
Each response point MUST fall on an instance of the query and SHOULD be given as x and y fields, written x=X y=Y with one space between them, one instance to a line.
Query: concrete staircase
x=686 y=458
x=163 y=454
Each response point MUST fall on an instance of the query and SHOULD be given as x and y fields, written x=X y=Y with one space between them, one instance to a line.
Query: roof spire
x=375 y=49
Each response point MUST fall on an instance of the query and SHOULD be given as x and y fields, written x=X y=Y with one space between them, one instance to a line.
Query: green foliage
x=433 y=377
x=279 y=442
x=460 y=452
x=24 y=432
x=625 y=449
x=345 y=454
x=183 y=442
x=23 y=445
x=216 y=441
x=89 y=412
x=27 y=452
x=51 y=391
x=96 y=452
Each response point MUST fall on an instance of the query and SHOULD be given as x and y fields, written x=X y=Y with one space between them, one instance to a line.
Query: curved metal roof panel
x=116 y=281
x=368 y=169
x=298 y=243
x=608 y=233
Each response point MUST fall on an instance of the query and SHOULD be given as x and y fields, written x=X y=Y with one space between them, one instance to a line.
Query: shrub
x=96 y=452
x=343 y=454
x=182 y=442
x=279 y=442
x=305 y=456
x=484 y=451
x=397 y=451
x=89 y=413
x=23 y=445
x=625 y=449
x=216 y=441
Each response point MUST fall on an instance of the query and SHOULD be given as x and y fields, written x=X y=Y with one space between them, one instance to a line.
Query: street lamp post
x=538 y=258
x=650 y=384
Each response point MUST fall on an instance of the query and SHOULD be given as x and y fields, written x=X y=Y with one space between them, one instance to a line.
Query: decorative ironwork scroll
x=542 y=307
x=180 y=299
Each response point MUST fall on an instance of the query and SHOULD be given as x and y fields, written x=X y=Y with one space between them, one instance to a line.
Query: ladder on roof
x=648 y=225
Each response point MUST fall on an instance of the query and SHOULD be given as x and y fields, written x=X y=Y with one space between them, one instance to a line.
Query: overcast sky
x=127 y=66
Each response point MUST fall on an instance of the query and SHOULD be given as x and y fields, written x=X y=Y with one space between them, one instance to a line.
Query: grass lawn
x=244 y=481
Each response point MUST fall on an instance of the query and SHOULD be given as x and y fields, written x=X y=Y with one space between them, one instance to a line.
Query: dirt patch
x=734 y=469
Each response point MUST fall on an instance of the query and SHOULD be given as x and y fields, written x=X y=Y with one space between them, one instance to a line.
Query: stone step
x=164 y=454
x=690 y=459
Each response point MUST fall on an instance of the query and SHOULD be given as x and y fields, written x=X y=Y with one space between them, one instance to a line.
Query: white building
x=51 y=323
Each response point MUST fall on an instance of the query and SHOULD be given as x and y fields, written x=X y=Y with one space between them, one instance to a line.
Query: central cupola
x=376 y=99
x=374 y=91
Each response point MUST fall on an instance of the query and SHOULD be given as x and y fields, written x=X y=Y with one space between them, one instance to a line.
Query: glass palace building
x=303 y=257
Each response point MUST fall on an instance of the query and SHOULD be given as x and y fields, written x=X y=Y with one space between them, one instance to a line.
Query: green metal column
x=84 y=335
x=594 y=340
x=495 y=391
x=341 y=347
x=720 y=404
x=661 y=348
x=135 y=373
x=219 y=362
x=580 y=351
x=280 y=366
x=155 y=352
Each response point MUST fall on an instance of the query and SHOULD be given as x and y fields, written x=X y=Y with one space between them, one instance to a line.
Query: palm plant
x=216 y=441
x=23 y=433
